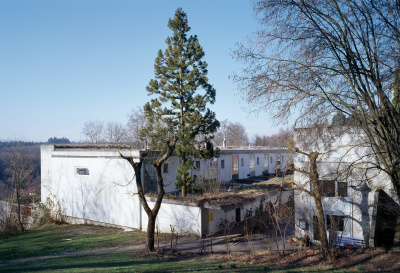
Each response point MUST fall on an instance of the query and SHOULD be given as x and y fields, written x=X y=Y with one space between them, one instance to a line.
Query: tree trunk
x=183 y=176
x=151 y=225
x=323 y=238
x=19 y=209
x=317 y=195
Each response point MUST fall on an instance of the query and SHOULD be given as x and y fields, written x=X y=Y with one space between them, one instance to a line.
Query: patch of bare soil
x=369 y=260
x=349 y=260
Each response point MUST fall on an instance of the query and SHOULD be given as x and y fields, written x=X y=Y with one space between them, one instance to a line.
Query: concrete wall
x=104 y=191
x=260 y=165
x=104 y=195
x=244 y=168
x=272 y=163
x=225 y=174
x=184 y=219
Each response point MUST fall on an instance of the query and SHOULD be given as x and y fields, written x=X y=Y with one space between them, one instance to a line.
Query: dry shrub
x=48 y=213
x=8 y=223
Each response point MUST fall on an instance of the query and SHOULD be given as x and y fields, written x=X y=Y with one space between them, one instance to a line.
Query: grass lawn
x=134 y=262
x=54 y=239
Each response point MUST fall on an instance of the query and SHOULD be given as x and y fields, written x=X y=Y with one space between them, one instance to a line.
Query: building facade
x=359 y=200
x=93 y=183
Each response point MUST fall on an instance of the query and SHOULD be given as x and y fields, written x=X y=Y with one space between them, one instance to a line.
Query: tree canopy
x=328 y=57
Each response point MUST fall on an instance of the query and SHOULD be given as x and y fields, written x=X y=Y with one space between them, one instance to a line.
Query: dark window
x=242 y=162
x=258 y=161
x=222 y=164
x=238 y=215
x=335 y=223
x=328 y=188
x=342 y=189
x=197 y=166
x=82 y=171
x=166 y=167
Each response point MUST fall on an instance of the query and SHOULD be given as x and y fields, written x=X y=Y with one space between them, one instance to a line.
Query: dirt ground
x=348 y=260
x=371 y=260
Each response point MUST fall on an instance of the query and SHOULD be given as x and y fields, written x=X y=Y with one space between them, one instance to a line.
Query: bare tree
x=315 y=191
x=234 y=134
x=136 y=122
x=328 y=57
x=114 y=132
x=159 y=130
x=93 y=130
x=278 y=140
x=21 y=168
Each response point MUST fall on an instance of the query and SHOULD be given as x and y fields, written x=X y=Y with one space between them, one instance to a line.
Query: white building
x=359 y=198
x=93 y=183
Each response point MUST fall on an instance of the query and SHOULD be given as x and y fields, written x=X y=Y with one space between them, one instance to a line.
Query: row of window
x=331 y=188
x=85 y=171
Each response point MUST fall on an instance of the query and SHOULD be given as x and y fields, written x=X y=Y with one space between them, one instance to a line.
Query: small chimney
x=224 y=143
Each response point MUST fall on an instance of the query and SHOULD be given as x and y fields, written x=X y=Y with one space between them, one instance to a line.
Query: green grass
x=53 y=239
x=130 y=262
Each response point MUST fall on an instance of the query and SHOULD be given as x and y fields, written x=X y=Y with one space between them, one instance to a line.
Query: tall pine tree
x=183 y=91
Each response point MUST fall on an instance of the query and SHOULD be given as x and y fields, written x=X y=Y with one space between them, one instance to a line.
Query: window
x=327 y=188
x=242 y=162
x=335 y=222
x=332 y=188
x=197 y=165
x=258 y=160
x=342 y=189
x=270 y=159
x=82 y=171
x=222 y=164
x=166 y=168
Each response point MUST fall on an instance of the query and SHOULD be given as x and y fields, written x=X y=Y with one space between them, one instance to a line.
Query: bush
x=48 y=213
x=8 y=224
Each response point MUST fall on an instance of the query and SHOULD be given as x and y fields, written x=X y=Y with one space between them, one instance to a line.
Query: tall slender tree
x=180 y=73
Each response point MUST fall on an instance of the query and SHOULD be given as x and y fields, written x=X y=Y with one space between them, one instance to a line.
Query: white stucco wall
x=185 y=219
x=225 y=174
x=272 y=163
x=244 y=169
x=260 y=166
x=105 y=195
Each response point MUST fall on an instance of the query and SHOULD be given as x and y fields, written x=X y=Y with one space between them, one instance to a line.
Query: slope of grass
x=133 y=262
x=53 y=239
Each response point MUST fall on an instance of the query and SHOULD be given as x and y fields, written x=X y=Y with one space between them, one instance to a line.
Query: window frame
x=340 y=189
x=80 y=171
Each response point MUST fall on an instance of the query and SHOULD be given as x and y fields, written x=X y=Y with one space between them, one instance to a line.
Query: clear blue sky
x=66 y=62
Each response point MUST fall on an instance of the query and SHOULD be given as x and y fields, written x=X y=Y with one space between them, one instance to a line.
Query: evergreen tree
x=179 y=74
x=339 y=119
